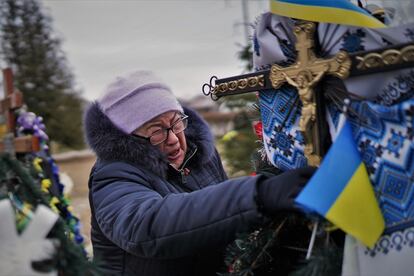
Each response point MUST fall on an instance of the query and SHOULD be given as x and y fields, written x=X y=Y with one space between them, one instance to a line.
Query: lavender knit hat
x=131 y=101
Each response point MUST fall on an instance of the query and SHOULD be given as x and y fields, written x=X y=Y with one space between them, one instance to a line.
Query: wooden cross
x=13 y=100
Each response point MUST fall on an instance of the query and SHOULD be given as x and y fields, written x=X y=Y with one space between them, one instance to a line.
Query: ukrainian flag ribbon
x=340 y=191
x=329 y=11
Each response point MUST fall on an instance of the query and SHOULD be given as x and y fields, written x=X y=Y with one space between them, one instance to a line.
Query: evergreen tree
x=30 y=47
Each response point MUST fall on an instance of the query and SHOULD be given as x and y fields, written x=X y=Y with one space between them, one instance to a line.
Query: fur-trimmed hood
x=111 y=144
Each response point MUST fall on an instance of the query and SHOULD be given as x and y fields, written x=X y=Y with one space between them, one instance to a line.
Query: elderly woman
x=161 y=202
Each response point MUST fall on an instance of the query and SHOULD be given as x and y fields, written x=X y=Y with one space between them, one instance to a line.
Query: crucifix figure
x=304 y=83
x=304 y=74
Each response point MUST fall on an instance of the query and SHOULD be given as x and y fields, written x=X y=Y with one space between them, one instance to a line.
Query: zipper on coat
x=183 y=171
x=183 y=179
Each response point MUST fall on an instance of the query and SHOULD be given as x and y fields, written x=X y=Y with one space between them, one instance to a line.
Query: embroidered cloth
x=383 y=125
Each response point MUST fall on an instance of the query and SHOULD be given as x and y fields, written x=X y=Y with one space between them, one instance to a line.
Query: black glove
x=277 y=193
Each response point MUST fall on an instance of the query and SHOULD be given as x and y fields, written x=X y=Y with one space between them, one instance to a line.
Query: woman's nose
x=171 y=137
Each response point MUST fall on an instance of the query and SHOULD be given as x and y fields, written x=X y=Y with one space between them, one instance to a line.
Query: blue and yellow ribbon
x=328 y=11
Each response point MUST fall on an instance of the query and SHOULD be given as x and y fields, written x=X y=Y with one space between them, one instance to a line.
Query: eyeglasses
x=161 y=135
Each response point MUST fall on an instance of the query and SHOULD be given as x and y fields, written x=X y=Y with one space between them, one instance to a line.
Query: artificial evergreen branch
x=326 y=261
x=267 y=245
x=69 y=258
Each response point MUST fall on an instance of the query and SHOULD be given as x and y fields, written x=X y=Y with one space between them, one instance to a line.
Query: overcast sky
x=185 y=42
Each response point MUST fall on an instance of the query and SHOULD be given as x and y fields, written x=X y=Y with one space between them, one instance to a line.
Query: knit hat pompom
x=132 y=100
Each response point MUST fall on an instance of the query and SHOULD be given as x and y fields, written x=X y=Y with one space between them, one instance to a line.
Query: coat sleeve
x=142 y=222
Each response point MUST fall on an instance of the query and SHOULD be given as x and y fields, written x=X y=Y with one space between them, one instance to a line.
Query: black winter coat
x=149 y=219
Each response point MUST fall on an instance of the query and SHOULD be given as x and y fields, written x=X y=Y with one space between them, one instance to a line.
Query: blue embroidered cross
x=395 y=143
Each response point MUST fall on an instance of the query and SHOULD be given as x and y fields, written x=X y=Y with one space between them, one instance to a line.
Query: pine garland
x=69 y=258
x=280 y=247
x=326 y=261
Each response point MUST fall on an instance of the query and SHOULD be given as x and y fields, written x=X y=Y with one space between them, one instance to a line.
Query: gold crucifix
x=304 y=74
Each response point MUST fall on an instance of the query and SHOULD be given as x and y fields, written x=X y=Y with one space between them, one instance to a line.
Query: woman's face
x=175 y=146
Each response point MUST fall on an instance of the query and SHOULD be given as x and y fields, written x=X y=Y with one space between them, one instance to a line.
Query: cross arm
x=23 y=144
x=357 y=64
x=240 y=84
x=381 y=60
x=11 y=101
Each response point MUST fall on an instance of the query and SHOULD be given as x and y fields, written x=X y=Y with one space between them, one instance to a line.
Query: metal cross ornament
x=304 y=74
x=307 y=71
